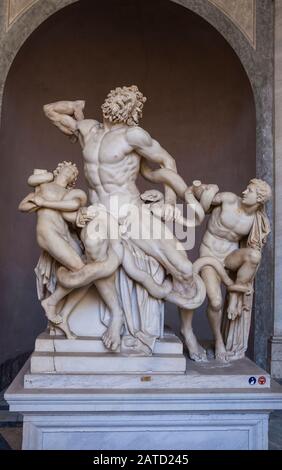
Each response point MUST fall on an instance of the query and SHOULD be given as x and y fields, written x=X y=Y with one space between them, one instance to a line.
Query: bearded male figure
x=112 y=153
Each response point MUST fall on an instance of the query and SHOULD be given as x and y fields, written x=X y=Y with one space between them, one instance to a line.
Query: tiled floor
x=11 y=429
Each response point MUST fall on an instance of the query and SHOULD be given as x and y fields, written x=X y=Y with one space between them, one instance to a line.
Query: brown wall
x=200 y=107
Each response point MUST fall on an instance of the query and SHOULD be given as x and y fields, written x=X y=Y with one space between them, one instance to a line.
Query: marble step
x=200 y=376
x=109 y=363
x=169 y=344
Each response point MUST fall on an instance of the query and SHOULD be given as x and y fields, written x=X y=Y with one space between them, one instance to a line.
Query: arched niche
x=257 y=66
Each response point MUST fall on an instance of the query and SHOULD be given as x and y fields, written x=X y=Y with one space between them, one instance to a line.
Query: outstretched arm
x=209 y=195
x=151 y=150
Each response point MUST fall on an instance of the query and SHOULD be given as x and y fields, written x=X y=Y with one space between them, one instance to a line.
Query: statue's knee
x=254 y=257
x=216 y=303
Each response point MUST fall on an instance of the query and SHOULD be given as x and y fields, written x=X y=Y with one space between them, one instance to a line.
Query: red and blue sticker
x=261 y=380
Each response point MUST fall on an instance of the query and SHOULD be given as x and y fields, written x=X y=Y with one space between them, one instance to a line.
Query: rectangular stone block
x=166 y=431
x=96 y=363
x=198 y=377
x=169 y=344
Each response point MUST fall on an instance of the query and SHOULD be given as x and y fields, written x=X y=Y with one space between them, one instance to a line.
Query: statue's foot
x=51 y=312
x=195 y=351
x=232 y=314
x=64 y=327
x=221 y=354
x=111 y=337
x=235 y=306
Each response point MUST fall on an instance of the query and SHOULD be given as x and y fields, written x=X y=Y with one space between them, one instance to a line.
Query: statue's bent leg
x=63 y=252
x=245 y=261
x=90 y=272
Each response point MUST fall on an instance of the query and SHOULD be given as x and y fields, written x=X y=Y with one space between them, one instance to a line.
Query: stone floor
x=11 y=429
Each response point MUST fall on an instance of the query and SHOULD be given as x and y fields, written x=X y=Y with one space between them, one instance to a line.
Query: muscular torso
x=227 y=225
x=111 y=166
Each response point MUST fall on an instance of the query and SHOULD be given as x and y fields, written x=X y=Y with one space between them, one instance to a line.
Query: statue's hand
x=84 y=215
x=39 y=201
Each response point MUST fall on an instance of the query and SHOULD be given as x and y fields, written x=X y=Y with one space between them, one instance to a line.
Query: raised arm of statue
x=65 y=115
x=69 y=118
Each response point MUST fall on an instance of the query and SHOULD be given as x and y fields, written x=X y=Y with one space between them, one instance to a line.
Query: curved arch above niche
x=241 y=12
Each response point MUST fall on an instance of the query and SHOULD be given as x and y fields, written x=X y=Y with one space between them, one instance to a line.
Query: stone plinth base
x=87 y=355
x=153 y=419
x=208 y=375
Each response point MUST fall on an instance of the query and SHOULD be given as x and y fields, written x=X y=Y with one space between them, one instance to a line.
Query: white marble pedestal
x=151 y=418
